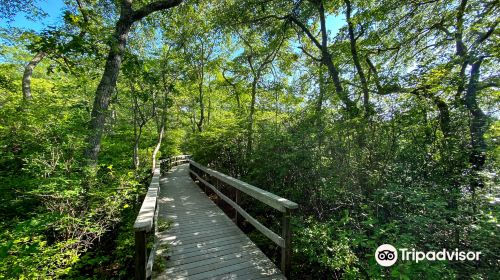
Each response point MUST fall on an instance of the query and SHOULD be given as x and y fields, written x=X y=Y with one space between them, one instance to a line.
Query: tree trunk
x=112 y=68
x=28 y=72
x=105 y=90
x=355 y=58
x=332 y=69
x=444 y=116
x=478 y=119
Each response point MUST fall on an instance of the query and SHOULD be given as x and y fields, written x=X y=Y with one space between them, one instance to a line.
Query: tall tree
x=258 y=57
x=128 y=16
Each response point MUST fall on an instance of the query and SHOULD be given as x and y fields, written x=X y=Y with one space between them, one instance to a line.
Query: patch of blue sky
x=334 y=23
x=53 y=9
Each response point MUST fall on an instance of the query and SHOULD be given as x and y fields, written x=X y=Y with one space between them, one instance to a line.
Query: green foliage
x=164 y=225
x=54 y=212
x=324 y=248
x=246 y=88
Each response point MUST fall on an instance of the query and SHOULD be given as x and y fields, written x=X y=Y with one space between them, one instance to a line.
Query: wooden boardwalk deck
x=203 y=242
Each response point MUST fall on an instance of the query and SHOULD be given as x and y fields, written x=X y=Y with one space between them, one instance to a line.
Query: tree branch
x=305 y=30
x=484 y=36
x=489 y=82
x=309 y=54
x=153 y=7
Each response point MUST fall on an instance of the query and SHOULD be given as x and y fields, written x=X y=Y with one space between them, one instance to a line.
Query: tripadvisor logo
x=387 y=255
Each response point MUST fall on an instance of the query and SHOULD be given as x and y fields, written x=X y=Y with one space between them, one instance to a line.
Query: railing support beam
x=237 y=201
x=140 y=255
x=286 y=252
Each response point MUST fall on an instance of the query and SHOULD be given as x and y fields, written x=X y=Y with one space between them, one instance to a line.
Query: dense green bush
x=56 y=215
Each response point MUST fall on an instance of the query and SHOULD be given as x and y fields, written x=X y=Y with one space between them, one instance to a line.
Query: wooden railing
x=146 y=221
x=169 y=162
x=209 y=178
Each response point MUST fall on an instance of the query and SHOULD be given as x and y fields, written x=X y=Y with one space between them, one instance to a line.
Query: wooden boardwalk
x=202 y=242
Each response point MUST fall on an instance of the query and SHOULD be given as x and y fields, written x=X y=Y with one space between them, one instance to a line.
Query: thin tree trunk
x=28 y=72
x=140 y=120
x=200 y=90
x=256 y=73
x=209 y=111
x=319 y=107
x=251 y=117
x=136 y=142
x=199 y=124
x=136 y=148
x=158 y=144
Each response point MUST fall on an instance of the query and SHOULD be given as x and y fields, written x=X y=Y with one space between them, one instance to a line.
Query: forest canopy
x=379 y=118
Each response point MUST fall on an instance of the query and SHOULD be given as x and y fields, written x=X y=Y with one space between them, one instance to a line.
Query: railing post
x=237 y=201
x=286 y=234
x=140 y=255
x=217 y=184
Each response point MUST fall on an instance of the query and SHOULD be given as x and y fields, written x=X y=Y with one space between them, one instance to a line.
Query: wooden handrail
x=278 y=203
x=167 y=163
x=283 y=205
x=175 y=158
x=146 y=220
x=143 y=225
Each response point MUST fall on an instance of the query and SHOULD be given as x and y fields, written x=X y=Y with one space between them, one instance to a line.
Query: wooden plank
x=260 y=227
x=209 y=243
x=186 y=224
x=221 y=267
x=208 y=254
x=266 y=197
x=182 y=216
x=264 y=271
x=235 y=244
x=209 y=263
x=227 y=267
x=194 y=223
x=193 y=235
x=197 y=227
x=271 y=277
x=176 y=241
x=143 y=224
